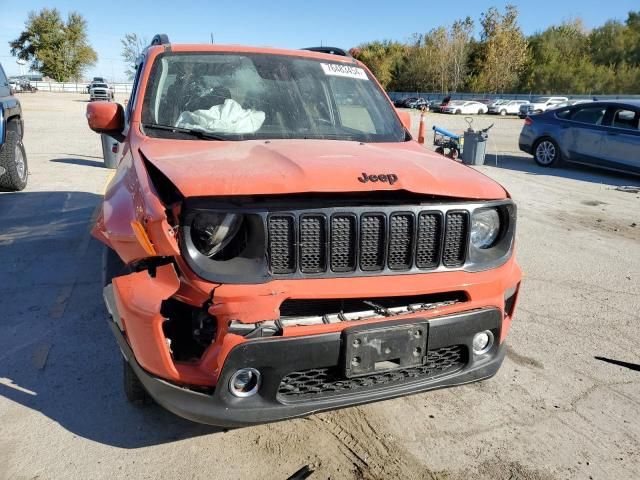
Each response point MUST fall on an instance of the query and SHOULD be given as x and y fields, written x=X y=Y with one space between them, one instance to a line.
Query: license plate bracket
x=376 y=350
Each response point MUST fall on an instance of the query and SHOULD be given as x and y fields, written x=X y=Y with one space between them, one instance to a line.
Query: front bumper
x=277 y=357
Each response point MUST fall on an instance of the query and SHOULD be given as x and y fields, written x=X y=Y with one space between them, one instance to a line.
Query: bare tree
x=460 y=36
x=132 y=47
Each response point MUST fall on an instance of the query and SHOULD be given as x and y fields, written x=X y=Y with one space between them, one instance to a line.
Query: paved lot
x=564 y=405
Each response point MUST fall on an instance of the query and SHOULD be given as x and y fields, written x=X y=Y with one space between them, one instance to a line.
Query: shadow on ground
x=573 y=171
x=80 y=161
x=58 y=355
x=631 y=366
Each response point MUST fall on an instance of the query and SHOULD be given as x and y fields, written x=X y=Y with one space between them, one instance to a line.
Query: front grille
x=366 y=242
x=343 y=239
x=320 y=382
x=281 y=244
x=372 y=235
x=313 y=254
x=454 y=239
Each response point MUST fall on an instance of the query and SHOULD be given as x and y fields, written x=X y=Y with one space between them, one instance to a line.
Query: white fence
x=77 y=87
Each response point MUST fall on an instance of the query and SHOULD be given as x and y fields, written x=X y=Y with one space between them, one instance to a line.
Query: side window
x=627 y=119
x=592 y=115
x=134 y=91
x=4 y=85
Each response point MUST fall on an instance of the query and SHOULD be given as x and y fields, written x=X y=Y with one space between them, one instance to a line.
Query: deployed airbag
x=229 y=117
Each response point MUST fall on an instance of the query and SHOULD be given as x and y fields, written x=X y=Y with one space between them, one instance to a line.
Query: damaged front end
x=239 y=310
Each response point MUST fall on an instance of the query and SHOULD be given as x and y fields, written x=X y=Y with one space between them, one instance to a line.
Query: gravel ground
x=564 y=405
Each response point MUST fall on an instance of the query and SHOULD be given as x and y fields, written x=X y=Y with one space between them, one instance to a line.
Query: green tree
x=132 y=47
x=503 y=51
x=383 y=58
x=55 y=48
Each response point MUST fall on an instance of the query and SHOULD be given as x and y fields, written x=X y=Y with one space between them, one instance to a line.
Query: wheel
x=440 y=150
x=458 y=112
x=546 y=153
x=503 y=112
x=13 y=160
x=133 y=387
x=480 y=111
x=453 y=154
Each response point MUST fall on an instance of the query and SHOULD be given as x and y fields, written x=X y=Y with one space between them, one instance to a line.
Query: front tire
x=133 y=387
x=13 y=159
x=458 y=112
x=546 y=153
x=503 y=113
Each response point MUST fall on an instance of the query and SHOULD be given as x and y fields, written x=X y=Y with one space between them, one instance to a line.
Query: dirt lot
x=564 y=405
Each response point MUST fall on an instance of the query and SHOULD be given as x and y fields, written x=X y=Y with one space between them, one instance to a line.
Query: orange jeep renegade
x=278 y=244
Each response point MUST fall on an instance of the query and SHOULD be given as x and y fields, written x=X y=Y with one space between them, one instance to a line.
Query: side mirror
x=106 y=117
x=405 y=118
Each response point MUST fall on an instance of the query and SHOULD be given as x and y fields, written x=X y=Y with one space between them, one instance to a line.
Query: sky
x=286 y=24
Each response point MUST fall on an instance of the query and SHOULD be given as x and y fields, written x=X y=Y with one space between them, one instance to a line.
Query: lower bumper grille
x=318 y=382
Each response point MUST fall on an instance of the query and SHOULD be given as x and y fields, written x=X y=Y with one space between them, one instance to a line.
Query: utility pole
x=212 y=42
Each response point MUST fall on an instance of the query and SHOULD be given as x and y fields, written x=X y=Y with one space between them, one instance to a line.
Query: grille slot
x=320 y=382
x=343 y=243
x=429 y=240
x=401 y=241
x=372 y=241
x=313 y=238
x=282 y=244
x=455 y=239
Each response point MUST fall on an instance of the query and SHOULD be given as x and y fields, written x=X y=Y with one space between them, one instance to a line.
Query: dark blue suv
x=13 y=159
x=599 y=134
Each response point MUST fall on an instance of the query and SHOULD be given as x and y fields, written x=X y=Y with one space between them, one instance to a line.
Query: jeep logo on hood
x=390 y=178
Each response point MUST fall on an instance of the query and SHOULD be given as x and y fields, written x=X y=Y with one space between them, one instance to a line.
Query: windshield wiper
x=187 y=131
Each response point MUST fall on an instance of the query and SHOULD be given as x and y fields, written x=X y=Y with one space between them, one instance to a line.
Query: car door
x=582 y=132
x=621 y=143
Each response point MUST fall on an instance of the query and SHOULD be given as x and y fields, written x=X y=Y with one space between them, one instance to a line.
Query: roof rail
x=160 y=39
x=329 y=50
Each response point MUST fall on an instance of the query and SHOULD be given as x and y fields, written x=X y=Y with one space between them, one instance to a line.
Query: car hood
x=206 y=168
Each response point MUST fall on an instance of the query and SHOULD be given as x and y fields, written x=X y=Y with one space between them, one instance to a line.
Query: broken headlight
x=223 y=245
x=212 y=231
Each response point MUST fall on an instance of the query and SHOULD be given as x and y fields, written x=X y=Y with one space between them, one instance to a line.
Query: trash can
x=475 y=146
x=110 y=148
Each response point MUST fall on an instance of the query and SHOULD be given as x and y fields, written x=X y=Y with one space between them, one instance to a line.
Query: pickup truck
x=100 y=91
x=13 y=158
x=277 y=244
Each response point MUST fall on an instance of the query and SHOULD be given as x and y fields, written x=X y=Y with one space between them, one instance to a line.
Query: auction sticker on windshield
x=344 y=71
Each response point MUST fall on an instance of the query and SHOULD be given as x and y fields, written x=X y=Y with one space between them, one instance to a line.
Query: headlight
x=485 y=227
x=212 y=231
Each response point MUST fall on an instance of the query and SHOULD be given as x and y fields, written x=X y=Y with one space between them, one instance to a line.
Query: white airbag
x=227 y=118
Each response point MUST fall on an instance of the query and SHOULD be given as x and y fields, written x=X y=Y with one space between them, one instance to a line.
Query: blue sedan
x=599 y=134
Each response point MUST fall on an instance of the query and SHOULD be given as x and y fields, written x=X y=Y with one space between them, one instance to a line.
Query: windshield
x=261 y=96
x=99 y=85
x=541 y=100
